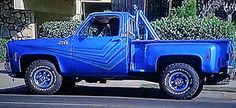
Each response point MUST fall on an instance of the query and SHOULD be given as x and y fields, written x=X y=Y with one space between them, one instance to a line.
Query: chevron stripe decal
x=107 y=56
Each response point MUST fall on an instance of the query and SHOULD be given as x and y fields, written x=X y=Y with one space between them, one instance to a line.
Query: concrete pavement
x=125 y=83
x=78 y=101
x=2 y=69
x=8 y=82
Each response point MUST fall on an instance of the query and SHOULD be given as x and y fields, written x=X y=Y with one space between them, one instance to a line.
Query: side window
x=102 y=26
x=143 y=32
x=131 y=28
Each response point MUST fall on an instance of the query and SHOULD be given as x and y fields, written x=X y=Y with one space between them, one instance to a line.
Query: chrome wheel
x=43 y=78
x=178 y=81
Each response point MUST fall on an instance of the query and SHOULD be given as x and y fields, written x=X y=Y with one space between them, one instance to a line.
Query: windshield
x=101 y=26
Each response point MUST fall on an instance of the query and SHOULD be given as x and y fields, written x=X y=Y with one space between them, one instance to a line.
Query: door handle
x=116 y=40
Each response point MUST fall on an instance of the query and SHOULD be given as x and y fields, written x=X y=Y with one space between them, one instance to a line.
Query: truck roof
x=101 y=13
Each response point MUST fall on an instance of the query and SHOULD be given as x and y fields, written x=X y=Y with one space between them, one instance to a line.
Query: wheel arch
x=26 y=60
x=192 y=60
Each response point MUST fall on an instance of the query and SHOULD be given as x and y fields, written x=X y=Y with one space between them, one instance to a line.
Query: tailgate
x=226 y=53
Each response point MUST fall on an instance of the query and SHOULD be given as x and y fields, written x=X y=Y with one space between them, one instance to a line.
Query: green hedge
x=172 y=28
x=58 y=29
x=193 y=27
x=2 y=49
x=185 y=24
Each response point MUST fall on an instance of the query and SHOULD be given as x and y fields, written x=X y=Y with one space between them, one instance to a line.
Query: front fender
x=63 y=55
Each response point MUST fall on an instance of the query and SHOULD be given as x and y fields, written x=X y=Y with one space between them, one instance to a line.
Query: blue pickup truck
x=120 y=46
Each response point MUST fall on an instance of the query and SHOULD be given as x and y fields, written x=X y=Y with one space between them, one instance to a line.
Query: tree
x=211 y=6
x=229 y=8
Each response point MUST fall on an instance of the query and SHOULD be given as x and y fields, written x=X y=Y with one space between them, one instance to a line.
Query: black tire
x=180 y=81
x=199 y=90
x=41 y=77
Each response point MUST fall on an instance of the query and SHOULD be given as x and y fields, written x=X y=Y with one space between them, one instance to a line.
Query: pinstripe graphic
x=96 y=52
x=106 y=57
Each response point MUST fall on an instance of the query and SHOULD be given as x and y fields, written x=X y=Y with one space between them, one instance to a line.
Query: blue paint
x=85 y=55
x=178 y=81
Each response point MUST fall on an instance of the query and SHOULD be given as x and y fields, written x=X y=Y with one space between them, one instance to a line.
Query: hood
x=39 y=46
x=38 y=42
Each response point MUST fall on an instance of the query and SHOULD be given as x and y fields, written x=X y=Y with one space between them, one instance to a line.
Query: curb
x=3 y=72
x=215 y=94
x=2 y=69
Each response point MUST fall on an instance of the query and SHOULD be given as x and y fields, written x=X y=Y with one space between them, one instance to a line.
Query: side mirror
x=83 y=36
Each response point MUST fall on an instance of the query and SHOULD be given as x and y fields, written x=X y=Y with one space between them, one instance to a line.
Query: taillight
x=208 y=55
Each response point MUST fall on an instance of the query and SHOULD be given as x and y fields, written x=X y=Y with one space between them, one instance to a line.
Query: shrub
x=58 y=29
x=193 y=27
x=185 y=24
x=2 y=49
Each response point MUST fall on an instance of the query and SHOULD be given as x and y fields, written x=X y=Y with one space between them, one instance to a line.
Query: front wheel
x=180 y=81
x=41 y=77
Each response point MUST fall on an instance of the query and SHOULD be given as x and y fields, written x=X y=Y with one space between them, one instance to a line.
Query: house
x=155 y=9
x=19 y=19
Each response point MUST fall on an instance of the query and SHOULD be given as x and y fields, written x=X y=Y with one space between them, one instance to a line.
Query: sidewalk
x=124 y=83
x=2 y=68
x=231 y=84
x=7 y=82
x=138 y=83
x=129 y=83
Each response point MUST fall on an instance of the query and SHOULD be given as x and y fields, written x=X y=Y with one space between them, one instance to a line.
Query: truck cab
x=118 y=45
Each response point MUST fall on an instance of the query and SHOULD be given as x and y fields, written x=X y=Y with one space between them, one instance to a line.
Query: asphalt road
x=105 y=97
x=115 y=94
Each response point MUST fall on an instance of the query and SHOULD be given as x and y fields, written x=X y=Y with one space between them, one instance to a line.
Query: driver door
x=98 y=52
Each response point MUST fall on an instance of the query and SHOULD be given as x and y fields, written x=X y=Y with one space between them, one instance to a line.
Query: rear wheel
x=41 y=77
x=199 y=90
x=180 y=81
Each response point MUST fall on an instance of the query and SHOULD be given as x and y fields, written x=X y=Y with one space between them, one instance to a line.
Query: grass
x=220 y=89
x=155 y=86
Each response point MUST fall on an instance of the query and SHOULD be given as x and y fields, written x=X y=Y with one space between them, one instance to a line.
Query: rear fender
x=207 y=53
